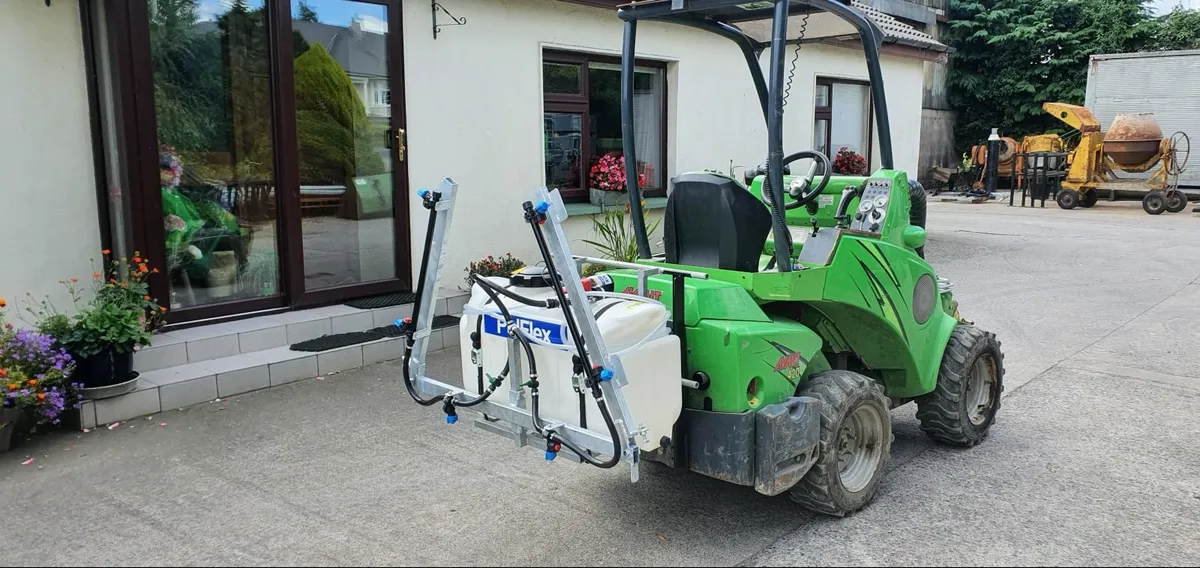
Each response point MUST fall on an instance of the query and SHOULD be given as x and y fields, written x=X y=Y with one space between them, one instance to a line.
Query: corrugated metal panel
x=1161 y=83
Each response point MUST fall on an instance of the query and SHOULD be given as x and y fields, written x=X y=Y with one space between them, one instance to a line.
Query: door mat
x=338 y=340
x=382 y=301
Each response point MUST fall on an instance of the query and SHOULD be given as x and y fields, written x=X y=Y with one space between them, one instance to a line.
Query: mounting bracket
x=437 y=28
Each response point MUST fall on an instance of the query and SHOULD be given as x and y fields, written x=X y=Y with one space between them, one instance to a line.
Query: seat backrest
x=712 y=222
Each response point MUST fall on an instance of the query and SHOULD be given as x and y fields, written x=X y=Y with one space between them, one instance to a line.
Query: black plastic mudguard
x=770 y=449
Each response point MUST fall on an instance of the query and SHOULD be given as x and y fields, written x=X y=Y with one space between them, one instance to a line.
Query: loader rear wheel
x=960 y=411
x=855 y=444
x=1089 y=199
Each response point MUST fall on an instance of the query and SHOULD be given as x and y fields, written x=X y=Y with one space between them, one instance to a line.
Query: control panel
x=872 y=206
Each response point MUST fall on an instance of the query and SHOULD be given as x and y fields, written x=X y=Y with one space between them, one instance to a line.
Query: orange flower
x=73 y=279
x=3 y=373
x=3 y=302
x=137 y=259
x=12 y=386
x=147 y=298
x=155 y=271
x=142 y=268
x=97 y=275
x=32 y=382
x=106 y=251
x=41 y=397
x=113 y=280
x=125 y=284
x=162 y=308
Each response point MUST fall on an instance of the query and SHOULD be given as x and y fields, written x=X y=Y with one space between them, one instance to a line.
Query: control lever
x=842 y=218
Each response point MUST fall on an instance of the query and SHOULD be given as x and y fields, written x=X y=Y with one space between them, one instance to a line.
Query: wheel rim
x=860 y=448
x=981 y=390
x=1173 y=201
x=1155 y=202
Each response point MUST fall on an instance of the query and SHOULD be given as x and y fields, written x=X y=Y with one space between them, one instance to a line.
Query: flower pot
x=106 y=368
x=608 y=198
x=14 y=425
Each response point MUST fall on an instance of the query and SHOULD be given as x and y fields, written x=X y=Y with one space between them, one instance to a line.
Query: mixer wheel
x=1155 y=202
x=1067 y=198
x=1089 y=198
x=1176 y=201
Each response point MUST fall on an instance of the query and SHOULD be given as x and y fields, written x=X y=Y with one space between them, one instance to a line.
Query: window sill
x=590 y=209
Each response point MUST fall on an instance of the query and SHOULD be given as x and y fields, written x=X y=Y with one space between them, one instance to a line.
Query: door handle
x=400 y=143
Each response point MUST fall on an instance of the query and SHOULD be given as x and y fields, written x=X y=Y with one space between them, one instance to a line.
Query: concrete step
x=222 y=340
x=255 y=364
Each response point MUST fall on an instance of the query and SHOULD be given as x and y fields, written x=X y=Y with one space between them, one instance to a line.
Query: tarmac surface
x=1093 y=459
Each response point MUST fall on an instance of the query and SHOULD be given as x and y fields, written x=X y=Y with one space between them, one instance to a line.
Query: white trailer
x=1166 y=83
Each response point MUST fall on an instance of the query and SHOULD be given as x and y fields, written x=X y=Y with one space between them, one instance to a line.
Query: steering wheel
x=802 y=189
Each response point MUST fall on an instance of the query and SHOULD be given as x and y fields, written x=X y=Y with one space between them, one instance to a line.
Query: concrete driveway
x=1093 y=459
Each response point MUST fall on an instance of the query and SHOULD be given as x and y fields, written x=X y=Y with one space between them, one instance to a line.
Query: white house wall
x=474 y=108
x=48 y=217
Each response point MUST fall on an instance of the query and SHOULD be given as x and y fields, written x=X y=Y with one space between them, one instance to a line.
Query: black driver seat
x=713 y=222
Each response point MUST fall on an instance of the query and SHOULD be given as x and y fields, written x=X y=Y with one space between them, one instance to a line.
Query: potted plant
x=35 y=382
x=847 y=162
x=607 y=184
x=118 y=317
x=492 y=266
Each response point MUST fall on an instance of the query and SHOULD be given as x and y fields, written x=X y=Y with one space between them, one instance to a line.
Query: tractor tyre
x=1089 y=199
x=961 y=409
x=1155 y=202
x=1176 y=201
x=855 y=443
x=1067 y=199
x=918 y=209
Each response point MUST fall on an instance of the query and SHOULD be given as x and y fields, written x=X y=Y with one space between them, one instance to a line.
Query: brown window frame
x=579 y=104
x=826 y=113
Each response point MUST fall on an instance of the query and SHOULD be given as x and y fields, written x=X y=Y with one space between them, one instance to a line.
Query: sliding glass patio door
x=270 y=165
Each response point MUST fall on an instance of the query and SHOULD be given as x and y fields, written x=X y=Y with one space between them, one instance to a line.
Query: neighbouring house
x=266 y=154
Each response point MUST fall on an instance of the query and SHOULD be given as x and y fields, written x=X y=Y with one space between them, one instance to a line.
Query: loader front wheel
x=960 y=411
x=855 y=444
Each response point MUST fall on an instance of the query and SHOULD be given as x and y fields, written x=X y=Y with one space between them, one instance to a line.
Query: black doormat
x=382 y=301
x=338 y=340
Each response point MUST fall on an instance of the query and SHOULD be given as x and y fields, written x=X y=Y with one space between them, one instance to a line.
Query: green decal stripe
x=885 y=301
x=874 y=250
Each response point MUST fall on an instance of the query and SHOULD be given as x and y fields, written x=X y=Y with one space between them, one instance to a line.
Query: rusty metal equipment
x=1133 y=144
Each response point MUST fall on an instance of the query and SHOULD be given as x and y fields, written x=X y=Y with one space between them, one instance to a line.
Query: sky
x=1164 y=6
x=338 y=12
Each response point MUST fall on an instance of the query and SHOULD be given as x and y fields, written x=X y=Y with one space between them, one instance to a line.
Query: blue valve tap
x=606 y=375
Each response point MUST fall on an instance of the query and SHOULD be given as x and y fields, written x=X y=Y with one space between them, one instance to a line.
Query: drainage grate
x=382 y=301
x=339 y=340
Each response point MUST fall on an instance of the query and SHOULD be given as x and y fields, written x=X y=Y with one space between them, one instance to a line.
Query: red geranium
x=609 y=174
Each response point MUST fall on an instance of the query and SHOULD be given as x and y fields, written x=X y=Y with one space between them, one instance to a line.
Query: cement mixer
x=1133 y=144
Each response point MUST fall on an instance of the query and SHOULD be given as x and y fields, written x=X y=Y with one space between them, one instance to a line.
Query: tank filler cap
x=451 y=419
x=543 y=207
x=423 y=193
x=606 y=375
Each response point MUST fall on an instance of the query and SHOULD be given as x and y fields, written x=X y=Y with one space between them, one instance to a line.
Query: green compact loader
x=802 y=307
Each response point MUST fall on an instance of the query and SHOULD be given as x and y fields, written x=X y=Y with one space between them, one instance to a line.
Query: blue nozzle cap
x=543 y=207
x=451 y=419
x=551 y=455
x=606 y=375
x=423 y=193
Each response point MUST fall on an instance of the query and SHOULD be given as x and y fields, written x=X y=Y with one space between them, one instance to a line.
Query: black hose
x=573 y=327
x=431 y=200
x=549 y=303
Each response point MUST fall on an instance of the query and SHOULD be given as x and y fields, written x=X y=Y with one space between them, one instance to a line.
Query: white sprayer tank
x=633 y=328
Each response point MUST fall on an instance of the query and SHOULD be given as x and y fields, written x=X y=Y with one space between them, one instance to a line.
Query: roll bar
x=720 y=17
